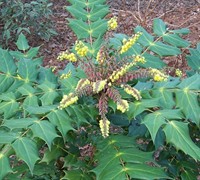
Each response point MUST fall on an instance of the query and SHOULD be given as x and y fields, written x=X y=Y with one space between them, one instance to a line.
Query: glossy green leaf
x=159 y=118
x=31 y=53
x=159 y=27
x=9 y=106
x=27 y=70
x=22 y=43
x=41 y=109
x=188 y=102
x=98 y=28
x=76 y=174
x=53 y=154
x=98 y=12
x=177 y=133
x=44 y=130
x=118 y=158
x=80 y=28
x=193 y=59
x=26 y=90
x=26 y=149
x=19 y=123
x=5 y=82
x=4 y=166
x=163 y=49
x=7 y=63
x=7 y=137
x=50 y=93
x=181 y=31
x=146 y=39
x=78 y=12
x=138 y=107
x=175 y=40
x=62 y=120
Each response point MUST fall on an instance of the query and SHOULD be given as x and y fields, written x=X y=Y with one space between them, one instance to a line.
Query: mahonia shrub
x=114 y=114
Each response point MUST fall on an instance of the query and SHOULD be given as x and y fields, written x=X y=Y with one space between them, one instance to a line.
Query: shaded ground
x=130 y=13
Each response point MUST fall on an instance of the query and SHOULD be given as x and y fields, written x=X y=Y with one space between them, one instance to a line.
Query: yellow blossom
x=127 y=44
x=112 y=23
x=104 y=127
x=139 y=59
x=123 y=70
x=81 y=48
x=68 y=100
x=100 y=57
x=132 y=91
x=157 y=75
x=65 y=76
x=67 y=56
x=99 y=86
x=82 y=83
x=123 y=105
x=178 y=72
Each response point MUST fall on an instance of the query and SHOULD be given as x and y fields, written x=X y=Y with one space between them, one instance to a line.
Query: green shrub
x=26 y=16
x=112 y=116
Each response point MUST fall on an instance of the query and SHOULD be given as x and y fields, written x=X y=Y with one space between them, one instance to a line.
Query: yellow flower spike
x=82 y=83
x=68 y=100
x=112 y=23
x=157 y=75
x=67 y=56
x=99 y=86
x=132 y=91
x=123 y=105
x=139 y=59
x=178 y=72
x=127 y=44
x=100 y=57
x=81 y=48
x=65 y=76
x=104 y=127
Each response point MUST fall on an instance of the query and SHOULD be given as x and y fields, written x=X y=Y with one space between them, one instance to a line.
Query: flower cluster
x=139 y=59
x=81 y=48
x=132 y=91
x=178 y=72
x=157 y=75
x=123 y=105
x=67 y=56
x=127 y=44
x=65 y=76
x=104 y=127
x=68 y=100
x=119 y=73
x=99 y=86
x=100 y=56
x=112 y=23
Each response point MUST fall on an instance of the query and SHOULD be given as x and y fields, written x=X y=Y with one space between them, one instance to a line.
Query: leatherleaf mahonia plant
x=115 y=114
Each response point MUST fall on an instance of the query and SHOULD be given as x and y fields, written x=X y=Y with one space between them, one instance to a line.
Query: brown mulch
x=176 y=13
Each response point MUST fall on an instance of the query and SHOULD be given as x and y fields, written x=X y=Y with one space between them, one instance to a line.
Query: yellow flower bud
x=112 y=23
x=104 y=127
x=123 y=105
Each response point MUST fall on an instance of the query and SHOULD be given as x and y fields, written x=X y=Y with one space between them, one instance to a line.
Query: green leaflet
x=175 y=40
x=177 y=133
x=7 y=137
x=40 y=109
x=76 y=174
x=19 y=123
x=5 y=82
x=193 y=59
x=118 y=158
x=27 y=70
x=159 y=27
x=44 y=130
x=62 y=120
x=50 y=93
x=4 y=166
x=8 y=65
x=9 y=106
x=137 y=107
x=53 y=154
x=155 y=120
x=22 y=43
x=26 y=149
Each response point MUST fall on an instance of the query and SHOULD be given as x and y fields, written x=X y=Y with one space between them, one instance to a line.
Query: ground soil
x=130 y=13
